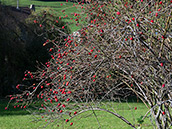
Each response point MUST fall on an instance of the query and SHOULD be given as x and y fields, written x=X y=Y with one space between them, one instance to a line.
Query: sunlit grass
x=20 y=119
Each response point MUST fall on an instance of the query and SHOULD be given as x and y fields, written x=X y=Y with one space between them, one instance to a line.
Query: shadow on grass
x=11 y=110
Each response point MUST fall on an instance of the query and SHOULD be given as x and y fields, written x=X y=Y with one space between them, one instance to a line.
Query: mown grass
x=21 y=119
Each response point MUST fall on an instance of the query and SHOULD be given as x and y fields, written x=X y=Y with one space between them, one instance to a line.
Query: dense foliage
x=21 y=44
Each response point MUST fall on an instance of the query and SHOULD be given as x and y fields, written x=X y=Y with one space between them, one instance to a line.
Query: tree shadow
x=11 y=110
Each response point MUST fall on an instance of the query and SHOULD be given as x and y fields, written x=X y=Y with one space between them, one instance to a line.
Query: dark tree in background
x=21 y=45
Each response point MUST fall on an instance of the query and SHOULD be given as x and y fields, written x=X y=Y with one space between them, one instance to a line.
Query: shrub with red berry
x=120 y=48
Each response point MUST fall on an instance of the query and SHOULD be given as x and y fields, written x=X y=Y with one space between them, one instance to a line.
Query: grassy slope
x=35 y=2
x=55 y=5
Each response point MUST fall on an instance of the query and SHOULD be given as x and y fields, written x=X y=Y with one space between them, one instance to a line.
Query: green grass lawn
x=20 y=119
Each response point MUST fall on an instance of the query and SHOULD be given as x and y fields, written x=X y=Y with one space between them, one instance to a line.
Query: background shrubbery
x=21 y=44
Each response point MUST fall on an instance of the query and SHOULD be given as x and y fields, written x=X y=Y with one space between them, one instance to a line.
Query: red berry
x=56 y=100
x=135 y=108
x=17 y=86
x=131 y=38
x=118 y=13
x=5 y=108
x=163 y=113
x=156 y=14
x=58 y=104
x=161 y=64
x=63 y=106
x=160 y=2
x=69 y=92
x=75 y=113
x=67 y=83
x=163 y=85
x=71 y=123
x=67 y=120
